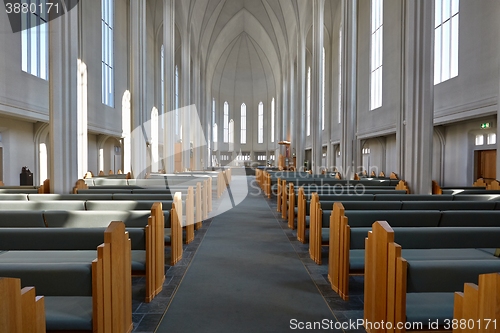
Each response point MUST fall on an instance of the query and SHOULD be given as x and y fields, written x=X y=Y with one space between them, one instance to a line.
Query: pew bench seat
x=138 y=257
x=430 y=286
x=68 y=306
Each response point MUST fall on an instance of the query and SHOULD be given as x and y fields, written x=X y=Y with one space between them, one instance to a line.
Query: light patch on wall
x=492 y=139
x=43 y=162
x=101 y=159
x=479 y=140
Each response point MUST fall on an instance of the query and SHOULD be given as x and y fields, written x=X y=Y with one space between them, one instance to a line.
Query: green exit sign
x=485 y=125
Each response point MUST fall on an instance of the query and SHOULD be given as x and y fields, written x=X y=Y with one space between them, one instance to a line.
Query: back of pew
x=20 y=309
x=21 y=219
x=13 y=196
x=481 y=218
x=51 y=196
x=42 y=205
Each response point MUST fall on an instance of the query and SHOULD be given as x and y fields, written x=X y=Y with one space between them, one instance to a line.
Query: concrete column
x=186 y=98
x=292 y=128
x=285 y=120
x=317 y=84
x=66 y=146
x=418 y=95
x=138 y=87
x=301 y=105
x=348 y=146
x=169 y=84
x=197 y=135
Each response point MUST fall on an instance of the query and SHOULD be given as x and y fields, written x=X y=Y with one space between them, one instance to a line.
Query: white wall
x=18 y=149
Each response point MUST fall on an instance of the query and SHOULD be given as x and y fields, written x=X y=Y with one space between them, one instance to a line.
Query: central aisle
x=245 y=276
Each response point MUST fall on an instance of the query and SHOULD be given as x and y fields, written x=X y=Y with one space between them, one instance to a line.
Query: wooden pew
x=397 y=290
x=477 y=308
x=100 y=297
x=20 y=309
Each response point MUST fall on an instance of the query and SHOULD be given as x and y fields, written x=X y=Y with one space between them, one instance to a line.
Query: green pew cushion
x=469 y=218
x=74 y=256
x=357 y=256
x=42 y=205
x=449 y=205
x=125 y=204
x=51 y=196
x=446 y=275
x=476 y=197
x=145 y=196
x=370 y=205
x=18 y=190
x=167 y=235
x=109 y=181
x=68 y=313
x=413 y=197
x=21 y=219
x=62 y=238
x=13 y=196
x=422 y=307
x=52 y=279
x=446 y=237
x=91 y=219
x=397 y=218
x=97 y=190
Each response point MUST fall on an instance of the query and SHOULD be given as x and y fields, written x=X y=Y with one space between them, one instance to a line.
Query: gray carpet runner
x=245 y=277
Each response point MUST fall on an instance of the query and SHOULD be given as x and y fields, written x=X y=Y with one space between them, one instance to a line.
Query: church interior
x=263 y=165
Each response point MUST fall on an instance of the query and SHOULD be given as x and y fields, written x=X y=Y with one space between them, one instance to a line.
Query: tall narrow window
x=272 y=120
x=154 y=140
x=108 y=81
x=215 y=134
x=377 y=16
x=445 y=40
x=308 y=103
x=323 y=94
x=260 y=136
x=340 y=75
x=176 y=100
x=226 y=122
x=34 y=41
x=213 y=111
x=243 y=123
x=162 y=75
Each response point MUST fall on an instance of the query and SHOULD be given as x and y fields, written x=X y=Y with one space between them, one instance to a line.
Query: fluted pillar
x=186 y=99
x=67 y=158
x=317 y=84
x=138 y=81
x=416 y=128
x=348 y=146
x=169 y=138
x=301 y=105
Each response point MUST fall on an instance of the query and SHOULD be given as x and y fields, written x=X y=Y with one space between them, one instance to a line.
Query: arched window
x=243 y=124
x=226 y=122
x=323 y=94
x=260 y=136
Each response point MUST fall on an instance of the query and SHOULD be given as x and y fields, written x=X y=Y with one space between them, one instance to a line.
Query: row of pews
x=79 y=251
x=428 y=260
